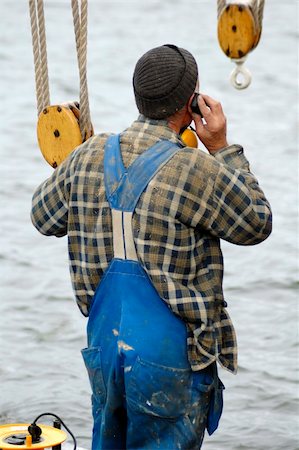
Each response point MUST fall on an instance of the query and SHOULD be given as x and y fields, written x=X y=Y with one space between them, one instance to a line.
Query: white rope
x=38 y=33
x=80 y=27
x=221 y=4
x=43 y=51
x=254 y=9
x=257 y=8
x=261 y=12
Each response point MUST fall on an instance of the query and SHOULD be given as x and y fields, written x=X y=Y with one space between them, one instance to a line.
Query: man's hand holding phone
x=211 y=127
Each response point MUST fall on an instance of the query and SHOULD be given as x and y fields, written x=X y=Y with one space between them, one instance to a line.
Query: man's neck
x=179 y=120
x=174 y=125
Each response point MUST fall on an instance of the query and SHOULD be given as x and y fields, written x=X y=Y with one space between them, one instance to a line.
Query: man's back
x=187 y=206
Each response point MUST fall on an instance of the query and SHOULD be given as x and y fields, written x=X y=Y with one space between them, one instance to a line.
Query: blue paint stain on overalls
x=144 y=393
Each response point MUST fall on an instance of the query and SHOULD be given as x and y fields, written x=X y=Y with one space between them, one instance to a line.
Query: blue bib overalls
x=144 y=393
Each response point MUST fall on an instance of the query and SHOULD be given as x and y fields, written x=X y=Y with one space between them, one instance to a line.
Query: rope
x=261 y=12
x=80 y=27
x=39 y=53
x=43 y=51
x=221 y=4
x=257 y=8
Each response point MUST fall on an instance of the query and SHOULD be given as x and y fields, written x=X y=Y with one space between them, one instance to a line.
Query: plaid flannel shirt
x=194 y=201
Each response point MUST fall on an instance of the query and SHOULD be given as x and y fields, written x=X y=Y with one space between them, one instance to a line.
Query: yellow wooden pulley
x=189 y=138
x=58 y=132
x=237 y=31
x=16 y=437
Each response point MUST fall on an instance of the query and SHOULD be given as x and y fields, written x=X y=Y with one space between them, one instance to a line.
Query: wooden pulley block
x=237 y=33
x=58 y=132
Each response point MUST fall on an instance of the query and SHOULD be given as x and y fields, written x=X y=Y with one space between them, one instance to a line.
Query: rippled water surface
x=41 y=330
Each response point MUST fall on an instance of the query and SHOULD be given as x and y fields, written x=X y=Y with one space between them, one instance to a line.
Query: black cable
x=62 y=423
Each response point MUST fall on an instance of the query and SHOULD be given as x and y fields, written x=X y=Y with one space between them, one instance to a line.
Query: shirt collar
x=158 y=128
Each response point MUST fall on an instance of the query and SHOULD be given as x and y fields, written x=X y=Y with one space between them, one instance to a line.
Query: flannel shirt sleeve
x=49 y=213
x=241 y=213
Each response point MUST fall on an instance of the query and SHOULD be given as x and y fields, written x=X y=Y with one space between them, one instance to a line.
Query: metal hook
x=240 y=72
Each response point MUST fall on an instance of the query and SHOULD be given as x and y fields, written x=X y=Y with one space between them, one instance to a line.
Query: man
x=144 y=216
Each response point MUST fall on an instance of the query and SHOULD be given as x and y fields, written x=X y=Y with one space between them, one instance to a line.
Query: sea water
x=41 y=329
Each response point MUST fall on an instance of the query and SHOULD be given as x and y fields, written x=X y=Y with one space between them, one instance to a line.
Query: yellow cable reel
x=10 y=434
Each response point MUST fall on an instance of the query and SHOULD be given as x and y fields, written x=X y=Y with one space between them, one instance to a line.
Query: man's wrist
x=218 y=148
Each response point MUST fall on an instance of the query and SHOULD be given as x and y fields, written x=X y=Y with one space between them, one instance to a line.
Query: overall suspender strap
x=125 y=186
x=114 y=168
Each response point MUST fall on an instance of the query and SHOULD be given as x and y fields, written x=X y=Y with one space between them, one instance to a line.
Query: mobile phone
x=194 y=105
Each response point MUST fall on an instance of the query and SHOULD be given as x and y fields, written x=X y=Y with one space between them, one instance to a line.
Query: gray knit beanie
x=164 y=79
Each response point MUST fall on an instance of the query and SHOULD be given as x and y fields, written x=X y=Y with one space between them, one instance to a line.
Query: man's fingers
x=214 y=105
x=204 y=109
x=198 y=123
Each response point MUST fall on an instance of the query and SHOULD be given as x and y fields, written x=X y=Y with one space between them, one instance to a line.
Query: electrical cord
x=36 y=431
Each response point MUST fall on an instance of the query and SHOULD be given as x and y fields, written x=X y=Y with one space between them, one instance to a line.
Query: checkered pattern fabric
x=194 y=201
